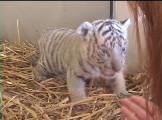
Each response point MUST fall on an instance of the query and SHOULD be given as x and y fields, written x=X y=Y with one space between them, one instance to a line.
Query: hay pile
x=25 y=99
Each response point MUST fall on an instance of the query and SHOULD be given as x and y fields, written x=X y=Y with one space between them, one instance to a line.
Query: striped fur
x=93 y=50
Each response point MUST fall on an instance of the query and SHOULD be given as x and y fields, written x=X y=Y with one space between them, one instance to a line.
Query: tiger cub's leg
x=118 y=85
x=76 y=86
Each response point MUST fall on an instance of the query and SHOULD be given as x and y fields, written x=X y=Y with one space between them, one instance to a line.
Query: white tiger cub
x=94 y=50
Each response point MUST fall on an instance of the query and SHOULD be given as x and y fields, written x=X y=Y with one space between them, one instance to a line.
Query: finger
x=128 y=114
x=142 y=102
x=135 y=108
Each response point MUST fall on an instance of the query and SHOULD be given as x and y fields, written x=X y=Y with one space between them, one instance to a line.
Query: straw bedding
x=26 y=99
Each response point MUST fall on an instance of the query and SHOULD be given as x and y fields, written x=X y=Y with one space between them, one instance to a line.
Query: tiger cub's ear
x=84 y=29
x=125 y=24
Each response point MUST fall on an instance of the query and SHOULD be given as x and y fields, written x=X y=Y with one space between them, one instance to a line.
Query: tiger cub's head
x=106 y=44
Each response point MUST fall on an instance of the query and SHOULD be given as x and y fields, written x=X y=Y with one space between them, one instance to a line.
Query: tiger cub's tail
x=35 y=57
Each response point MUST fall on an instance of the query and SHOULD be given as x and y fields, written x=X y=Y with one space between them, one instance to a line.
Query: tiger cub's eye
x=104 y=51
x=123 y=49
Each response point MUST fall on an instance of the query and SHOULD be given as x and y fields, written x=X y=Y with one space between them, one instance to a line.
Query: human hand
x=135 y=108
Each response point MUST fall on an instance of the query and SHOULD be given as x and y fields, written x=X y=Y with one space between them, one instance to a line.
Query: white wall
x=122 y=12
x=35 y=16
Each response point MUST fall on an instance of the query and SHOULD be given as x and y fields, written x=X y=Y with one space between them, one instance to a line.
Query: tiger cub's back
x=55 y=49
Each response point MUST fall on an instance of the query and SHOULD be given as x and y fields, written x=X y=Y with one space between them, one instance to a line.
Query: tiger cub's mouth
x=108 y=73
